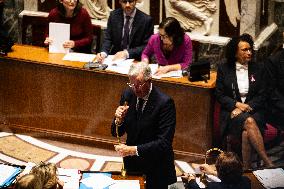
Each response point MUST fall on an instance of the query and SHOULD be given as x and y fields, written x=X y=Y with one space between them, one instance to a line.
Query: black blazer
x=152 y=134
x=244 y=183
x=227 y=91
x=142 y=29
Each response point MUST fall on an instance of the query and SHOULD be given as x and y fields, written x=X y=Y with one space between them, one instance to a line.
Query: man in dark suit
x=127 y=33
x=274 y=71
x=148 y=117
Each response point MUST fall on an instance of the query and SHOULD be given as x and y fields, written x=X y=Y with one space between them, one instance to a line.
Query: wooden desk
x=41 y=93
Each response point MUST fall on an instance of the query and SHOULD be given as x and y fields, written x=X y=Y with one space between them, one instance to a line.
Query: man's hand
x=120 y=113
x=124 y=150
x=121 y=55
x=207 y=169
x=100 y=57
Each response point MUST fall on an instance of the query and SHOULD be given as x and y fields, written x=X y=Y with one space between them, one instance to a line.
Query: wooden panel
x=70 y=101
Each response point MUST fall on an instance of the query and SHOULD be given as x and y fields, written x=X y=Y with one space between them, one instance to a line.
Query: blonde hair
x=28 y=181
x=47 y=172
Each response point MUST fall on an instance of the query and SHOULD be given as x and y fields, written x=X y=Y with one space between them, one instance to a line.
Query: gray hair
x=140 y=67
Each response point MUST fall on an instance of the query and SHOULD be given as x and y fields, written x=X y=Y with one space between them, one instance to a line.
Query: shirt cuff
x=136 y=150
x=104 y=54
x=127 y=54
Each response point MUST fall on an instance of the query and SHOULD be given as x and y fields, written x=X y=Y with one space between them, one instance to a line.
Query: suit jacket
x=152 y=134
x=227 y=91
x=244 y=183
x=274 y=72
x=142 y=29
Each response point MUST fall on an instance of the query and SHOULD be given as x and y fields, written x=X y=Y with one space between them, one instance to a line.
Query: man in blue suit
x=127 y=33
x=148 y=117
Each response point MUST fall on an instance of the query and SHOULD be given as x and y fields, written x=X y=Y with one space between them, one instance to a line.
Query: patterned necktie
x=140 y=107
x=126 y=29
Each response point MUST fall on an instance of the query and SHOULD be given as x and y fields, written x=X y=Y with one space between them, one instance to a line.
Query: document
x=120 y=66
x=79 y=57
x=173 y=74
x=70 y=177
x=154 y=68
x=125 y=184
x=58 y=33
x=270 y=178
x=96 y=181
x=8 y=174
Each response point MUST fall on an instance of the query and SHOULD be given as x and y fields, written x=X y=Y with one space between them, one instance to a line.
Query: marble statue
x=233 y=12
x=192 y=13
x=97 y=9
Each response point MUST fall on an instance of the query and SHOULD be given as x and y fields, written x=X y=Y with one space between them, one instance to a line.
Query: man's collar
x=131 y=15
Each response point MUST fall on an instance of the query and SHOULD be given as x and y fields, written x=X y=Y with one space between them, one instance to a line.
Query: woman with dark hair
x=81 y=29
x=240 y=92
x=228 y=169
x=171 y=47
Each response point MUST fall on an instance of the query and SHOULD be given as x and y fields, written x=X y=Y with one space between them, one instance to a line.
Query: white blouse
x=242 y=79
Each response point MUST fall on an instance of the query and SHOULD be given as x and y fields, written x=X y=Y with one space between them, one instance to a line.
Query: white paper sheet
x=125 y=184
x=120 y=66
x=6 y=172
x=98 y=181
x=80 y=57
x=59 y=33
x=270 y=178
x=174 y=74
x=69 y=182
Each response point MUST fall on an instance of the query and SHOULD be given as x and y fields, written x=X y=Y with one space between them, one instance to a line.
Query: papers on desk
x=270 y=178
x=8 y=174
x=79 y=57
x=125 y=184
x=120 y=66
x=195 y=169
x=154 y=68
x=70 y=177
x=59 y=33
x=104 y=181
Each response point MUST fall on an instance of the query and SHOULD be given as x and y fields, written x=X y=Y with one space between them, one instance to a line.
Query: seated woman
x=228 y=169
x=81 y=29
x=47 y=173
x=240 y=92
x=172 y=48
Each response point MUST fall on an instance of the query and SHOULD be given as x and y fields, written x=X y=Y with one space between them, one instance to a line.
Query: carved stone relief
x=97 y=8
x=192 y=13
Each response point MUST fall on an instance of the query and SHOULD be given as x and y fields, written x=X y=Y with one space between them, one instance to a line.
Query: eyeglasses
x=165 y=36
x=70 y=1
x=129 y=1
x=246 y=50
x=133 y=86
